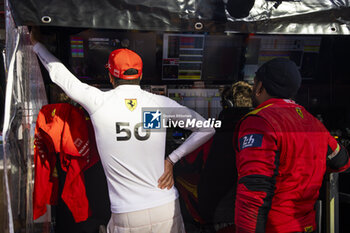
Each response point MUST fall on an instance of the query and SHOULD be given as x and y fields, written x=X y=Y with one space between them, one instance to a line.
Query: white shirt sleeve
x=198 y=136
x=87 y=96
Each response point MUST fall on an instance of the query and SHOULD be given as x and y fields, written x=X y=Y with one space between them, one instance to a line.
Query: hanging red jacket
x=62 y=129
x=282 y=153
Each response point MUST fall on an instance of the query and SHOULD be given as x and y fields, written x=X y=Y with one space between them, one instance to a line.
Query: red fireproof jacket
x=282 y=153
x=63 y=129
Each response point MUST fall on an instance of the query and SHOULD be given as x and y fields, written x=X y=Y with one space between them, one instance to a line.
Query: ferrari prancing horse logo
x=300 y=113
x=131 y=104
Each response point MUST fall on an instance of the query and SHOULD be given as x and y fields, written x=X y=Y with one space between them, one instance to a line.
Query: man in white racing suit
x=140 y=180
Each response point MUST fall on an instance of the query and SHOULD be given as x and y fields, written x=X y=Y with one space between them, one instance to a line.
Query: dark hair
x=119 y=81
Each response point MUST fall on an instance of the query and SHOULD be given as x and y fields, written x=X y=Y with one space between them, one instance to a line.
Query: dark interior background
x=324 y=92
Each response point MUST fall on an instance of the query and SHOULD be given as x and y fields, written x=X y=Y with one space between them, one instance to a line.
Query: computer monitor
x=201 y=57
x=89 y=51
x=303 y=50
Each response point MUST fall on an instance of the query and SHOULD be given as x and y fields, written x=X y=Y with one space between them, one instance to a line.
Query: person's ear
x=111 y=79
x=259 y=88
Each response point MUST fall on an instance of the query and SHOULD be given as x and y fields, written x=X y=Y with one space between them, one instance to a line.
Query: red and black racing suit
x=282 y=153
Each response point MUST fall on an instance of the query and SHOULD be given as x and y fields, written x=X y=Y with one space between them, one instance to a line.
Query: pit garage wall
x=25 y=94
x=244 y=16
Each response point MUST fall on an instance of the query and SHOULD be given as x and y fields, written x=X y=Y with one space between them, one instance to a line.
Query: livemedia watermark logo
x=152 y=119
x=163 y=118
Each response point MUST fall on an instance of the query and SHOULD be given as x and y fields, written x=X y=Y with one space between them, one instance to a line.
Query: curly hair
x=239 y=94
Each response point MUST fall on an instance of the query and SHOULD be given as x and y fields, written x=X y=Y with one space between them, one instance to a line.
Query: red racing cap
x=120 y=60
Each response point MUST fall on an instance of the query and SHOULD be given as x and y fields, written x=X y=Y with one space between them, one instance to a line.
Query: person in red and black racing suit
x=282 y=154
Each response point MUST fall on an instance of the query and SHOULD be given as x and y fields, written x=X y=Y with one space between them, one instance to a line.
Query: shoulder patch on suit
x=251 y=140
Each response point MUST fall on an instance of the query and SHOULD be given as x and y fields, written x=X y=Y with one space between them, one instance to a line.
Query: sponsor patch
x=251 y=140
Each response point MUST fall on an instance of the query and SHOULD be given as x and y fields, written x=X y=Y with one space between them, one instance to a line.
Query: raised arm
x=85 y=95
